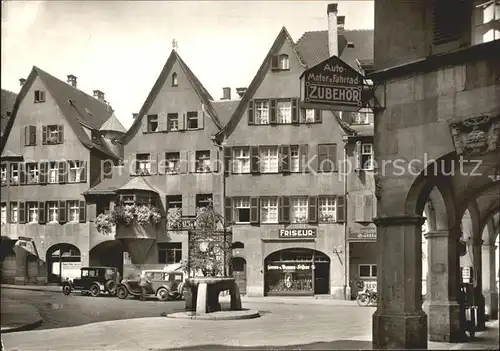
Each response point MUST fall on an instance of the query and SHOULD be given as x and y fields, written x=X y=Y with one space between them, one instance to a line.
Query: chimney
x=22 y=81
x=226 y=93
x=241 y=91
x=134 y=115
x=333 y=40
x=99 y=95
x=72 y=80
x=340 y=22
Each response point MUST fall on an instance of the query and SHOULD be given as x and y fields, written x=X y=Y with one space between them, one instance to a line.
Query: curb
x=23 y=327
x=22 y=287
x=217 y=316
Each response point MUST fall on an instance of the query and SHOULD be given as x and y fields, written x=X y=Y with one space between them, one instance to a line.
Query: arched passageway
x=109 y=254
x=239 y=265
x=63 y=262
x=296 y=271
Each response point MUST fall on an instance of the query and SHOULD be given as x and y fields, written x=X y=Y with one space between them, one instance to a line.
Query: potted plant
x=105 y=223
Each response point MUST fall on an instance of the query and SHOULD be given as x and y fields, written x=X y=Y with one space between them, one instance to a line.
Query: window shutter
x=323 y=164
x=303 y=158
x=41 y=212
x=83 y=171
x=82 y=213
x=62 y=172
x=144 y=123
x=254 y=162
x=341 y=209
x=22 y=174
x=43 y=166
x=162 y=164
x=273 y=117
x=32 y=131
x=42 y=96
x=250 y=112
x=190 y=205
x=313 y=209
x=62 y=212
x=284 y=160
x=182 y=121
x=153 y=158
x=191 y=159
x=274 y=62
x=201 y=119
x=448 y=26
x=60 y=135
x=214 y=160
x=358 y=208
x=368 y=208
x=183 y=162
x=26 y=136
x=228 y=210
x=21 y=212
x=295 y=111
x=332 y=156
x=44 y=135
x=317 y=115
x=227 y=160
x=357 y=155
x=284 y=209
x=254 y=210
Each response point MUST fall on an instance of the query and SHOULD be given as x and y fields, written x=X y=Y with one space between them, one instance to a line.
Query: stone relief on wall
x=477 y=135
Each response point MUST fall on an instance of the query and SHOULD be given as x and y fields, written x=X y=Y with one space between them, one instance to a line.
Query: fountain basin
x=202 y=295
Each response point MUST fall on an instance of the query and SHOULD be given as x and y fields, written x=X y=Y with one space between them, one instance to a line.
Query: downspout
x=347 y=292
x=220 y=146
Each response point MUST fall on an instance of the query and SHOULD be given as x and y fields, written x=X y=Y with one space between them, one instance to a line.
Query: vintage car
x=93 y=280
x=165 y=285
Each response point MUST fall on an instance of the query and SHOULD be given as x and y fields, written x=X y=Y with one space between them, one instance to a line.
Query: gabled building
x=170 y=163
x=52 y=152
x=284 y=185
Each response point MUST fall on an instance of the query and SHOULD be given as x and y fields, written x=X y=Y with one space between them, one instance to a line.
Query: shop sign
x=466 y=274
x=363 y=235
x=288 y=267
x=297 y=233
x=333 y=82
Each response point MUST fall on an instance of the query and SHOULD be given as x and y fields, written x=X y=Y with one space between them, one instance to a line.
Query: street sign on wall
x=363 y=235
x=333 y=83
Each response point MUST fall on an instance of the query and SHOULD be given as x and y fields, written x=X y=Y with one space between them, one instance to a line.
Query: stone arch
x=108 y=253
x=490 y=213
x=63 y=262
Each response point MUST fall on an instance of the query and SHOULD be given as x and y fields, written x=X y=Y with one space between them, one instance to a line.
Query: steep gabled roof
x=200 y=90
x=8 y=101
x=257 y=80
x=138 y=183
x=79 y=108
x=113 y=125
x=225 y=109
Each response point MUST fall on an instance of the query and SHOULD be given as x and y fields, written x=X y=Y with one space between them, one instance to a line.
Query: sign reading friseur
x=333 y=82
x=297 y=233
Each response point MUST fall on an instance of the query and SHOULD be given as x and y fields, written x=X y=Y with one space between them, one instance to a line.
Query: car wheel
x=95 y=289
x=111 y=286
x=162 y=294
x=121 y=292
x=66 y=289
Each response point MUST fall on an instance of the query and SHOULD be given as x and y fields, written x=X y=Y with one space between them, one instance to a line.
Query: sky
x=120 y=47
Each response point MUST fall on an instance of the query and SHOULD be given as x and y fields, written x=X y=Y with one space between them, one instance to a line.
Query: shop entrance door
x=321 y=278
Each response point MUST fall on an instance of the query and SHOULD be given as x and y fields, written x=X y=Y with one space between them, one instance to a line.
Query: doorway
x=321 y=278
x=240 y=274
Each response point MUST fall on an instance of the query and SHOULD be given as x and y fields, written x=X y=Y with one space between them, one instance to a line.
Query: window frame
x=32 y=212
x=266 y=205
x=39 y=96
x=200 y=199
x=3 y=213
x=32 y=173
x=202 y=160
x=175 y=80
x=143 y=166
x=279 y=111
x=241 y=203
x=241 y=162
x=370 y=265
x=4 y=171
x=294 y=159
x=368 y=156
x=169 y=157
x=52 y=205
x=284 y=62
x=266 y=161
x=190 y=116
x=153 y=118
x=14 y=168
x=75 y=168
x=172 y=117
x=261 y=109
x=304 y=207
x=75 y=208
x=53 y=169
x=175 y=250
x=327 y=209
x=52 y=136
x=14 y=208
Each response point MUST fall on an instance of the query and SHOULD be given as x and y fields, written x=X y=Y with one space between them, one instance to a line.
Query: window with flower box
x=33 y=173
x=3 y=213
x=174 y=202
x=172 y=164
x=143 y=164
x=327 y=209
x=241 y=207
x=269 y=210
x=3 y=174
x=14 y=213
x=241 y=160
x=32 y=212
x=138 y=200
x=203 y=200
x=299 y=209
x=202 y=161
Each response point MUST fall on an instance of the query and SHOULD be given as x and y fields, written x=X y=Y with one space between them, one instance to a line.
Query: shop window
x=3 y=213
x=327 y=209
x=172 y=165
x=241 y=160
x=169 y=253
x=241 y=208
x=172 y=122
x=143 y=164
x=299 y=210
x=203 y=200
x=152 y=123
x=367 y=156
x=3 y=174
x=32 y=212
x=192 y=120
x=268 y=159
x=269 y=210
x=367 y=270
x=202 y=161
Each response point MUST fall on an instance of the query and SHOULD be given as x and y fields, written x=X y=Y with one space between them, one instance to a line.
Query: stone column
x=490 y=292
x=399 y=322
x=478 y=290
x=442 y=287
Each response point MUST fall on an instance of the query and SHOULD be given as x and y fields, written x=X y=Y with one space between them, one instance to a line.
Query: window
x=33 y=173
x=172 y=163
x=174 y=79
x=284 y=62
x=327 y=209
x=32 y=212
x=169 y=252
x=85 y=273
x=172 y=122
x=486 y=21
x=152 y=123
x=294 y=158
x=362 y=117
x=144 y=200
x=192 y=120
x=14 y=173
x=308 y=115
x=39 y=96
x=285 y=111
x=202 y=161
x=102 y=206
x=128 y=200
x=367 y=156
x=75 y=171
x=269 y=210
x=3 y=214
x=203 y=200
x=143 y=164
x=299 y=210
x=52 y=134
x=53 y=169
x=53 y=212
x=327 y=157
x=241 y=208
x=14 y=213
x=367 y=270
x=3 y=174
x=262 y=112
x=174 y=202
x=74 y=211
x=268 y=159
x=241 y=160
x=29 y=135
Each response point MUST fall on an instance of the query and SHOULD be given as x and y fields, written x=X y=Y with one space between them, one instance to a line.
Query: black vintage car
x=93 y=280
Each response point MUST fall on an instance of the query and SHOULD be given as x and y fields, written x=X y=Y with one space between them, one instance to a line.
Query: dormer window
x=174 y=79
x=284 y=62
